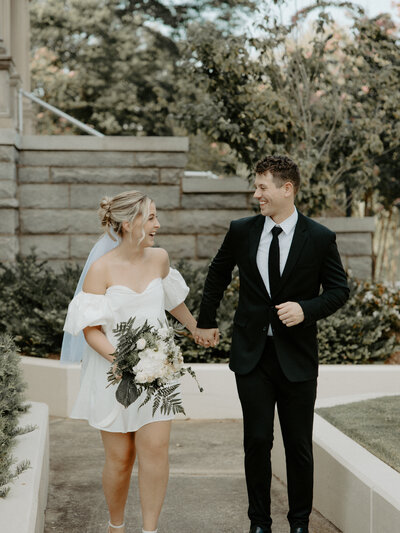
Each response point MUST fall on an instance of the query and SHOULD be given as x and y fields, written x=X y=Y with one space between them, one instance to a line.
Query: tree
x=368 y=145
x=113 y=64
x=271 y=94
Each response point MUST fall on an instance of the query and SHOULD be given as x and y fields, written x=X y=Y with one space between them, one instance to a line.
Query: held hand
x=290 y=313
x=208 y=338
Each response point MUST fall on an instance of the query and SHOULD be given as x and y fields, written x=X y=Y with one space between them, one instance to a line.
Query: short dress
x=96 y=402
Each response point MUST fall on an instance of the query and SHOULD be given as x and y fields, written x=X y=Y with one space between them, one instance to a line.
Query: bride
x=131 y=279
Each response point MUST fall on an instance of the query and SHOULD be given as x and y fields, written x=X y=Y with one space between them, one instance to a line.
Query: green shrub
x=33 y=303
x=11 y=407
x=366 y=329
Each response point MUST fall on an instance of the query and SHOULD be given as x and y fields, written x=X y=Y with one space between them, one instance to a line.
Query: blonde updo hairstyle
x=124 y=207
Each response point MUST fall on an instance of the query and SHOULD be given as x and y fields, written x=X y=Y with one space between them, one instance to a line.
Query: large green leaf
x=127 y=391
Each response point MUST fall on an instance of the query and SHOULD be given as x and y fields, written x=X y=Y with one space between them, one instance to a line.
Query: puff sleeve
x=175 y=289
x=87 y=309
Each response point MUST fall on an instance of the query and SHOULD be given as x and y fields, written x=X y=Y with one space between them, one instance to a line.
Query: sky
x=372 y=8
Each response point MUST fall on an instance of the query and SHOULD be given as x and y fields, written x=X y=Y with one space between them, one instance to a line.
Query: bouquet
x=148 y=360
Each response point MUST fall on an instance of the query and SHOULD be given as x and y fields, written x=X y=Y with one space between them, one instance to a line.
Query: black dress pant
x=259 y=392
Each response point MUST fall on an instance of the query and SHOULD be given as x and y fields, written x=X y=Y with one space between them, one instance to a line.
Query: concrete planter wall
x=219 y=399
x=22 y=511
x=352 y=488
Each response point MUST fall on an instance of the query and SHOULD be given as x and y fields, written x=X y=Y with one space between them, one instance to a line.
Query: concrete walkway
x=206 y=491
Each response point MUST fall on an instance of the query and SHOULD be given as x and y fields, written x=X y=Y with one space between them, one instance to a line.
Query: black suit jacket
x=313 y=262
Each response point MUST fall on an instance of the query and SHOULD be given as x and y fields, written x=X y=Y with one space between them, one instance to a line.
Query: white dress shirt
x=285 y=242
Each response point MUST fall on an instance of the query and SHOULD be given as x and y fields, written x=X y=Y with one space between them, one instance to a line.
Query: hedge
x=34 y=300
x=12 y=405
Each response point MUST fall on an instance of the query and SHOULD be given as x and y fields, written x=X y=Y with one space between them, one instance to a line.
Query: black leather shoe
x=299 y=530
x=258 y=529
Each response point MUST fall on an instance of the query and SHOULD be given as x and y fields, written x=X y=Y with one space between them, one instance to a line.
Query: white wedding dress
x=96 y=402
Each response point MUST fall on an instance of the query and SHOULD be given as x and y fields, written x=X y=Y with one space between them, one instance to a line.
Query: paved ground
x=206 y=491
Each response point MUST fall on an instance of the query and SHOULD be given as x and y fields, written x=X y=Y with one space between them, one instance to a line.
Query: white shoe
x=114 y=527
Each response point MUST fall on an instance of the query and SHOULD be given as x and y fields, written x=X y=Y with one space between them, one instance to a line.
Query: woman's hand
x=114 y=371
x=185 y=317
x=209 y=338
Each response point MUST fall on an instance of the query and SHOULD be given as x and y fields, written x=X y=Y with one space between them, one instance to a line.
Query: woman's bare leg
x=120 y=456
x=152 y=441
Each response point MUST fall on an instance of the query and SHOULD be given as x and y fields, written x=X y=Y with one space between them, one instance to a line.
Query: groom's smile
x=275 y=200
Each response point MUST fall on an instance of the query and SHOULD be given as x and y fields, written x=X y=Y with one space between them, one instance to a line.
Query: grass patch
x=374 y=424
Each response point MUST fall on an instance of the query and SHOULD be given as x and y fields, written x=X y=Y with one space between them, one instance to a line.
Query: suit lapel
x=299 y=238
x=254 y=241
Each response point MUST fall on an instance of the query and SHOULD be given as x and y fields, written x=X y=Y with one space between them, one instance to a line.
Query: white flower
x=178 y=364
x=143 y=377
x=147 y=370
x=368 y=297
x=159 y=354
x=163 y=333
x=141 y=344
x=162 y=346
x=161 y=364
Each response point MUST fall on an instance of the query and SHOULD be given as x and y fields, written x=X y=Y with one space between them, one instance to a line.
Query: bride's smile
x=143 y=233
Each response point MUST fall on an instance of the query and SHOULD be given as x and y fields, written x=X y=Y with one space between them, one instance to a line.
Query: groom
x=283 y=258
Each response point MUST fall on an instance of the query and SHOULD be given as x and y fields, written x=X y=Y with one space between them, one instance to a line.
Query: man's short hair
x=282 y=168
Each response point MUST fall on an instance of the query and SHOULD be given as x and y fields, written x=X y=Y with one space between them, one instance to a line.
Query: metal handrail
x=200 y=174
x=55 y=110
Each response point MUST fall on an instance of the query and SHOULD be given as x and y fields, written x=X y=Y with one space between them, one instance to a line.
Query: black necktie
x=274 y=261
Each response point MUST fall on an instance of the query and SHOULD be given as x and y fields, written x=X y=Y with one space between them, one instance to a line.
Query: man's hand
x=207 y=337
x=290 y=313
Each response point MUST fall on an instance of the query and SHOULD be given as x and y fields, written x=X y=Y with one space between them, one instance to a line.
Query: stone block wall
x=61 y=182
x=9 y=245
x=354 y=239
x=50 y=188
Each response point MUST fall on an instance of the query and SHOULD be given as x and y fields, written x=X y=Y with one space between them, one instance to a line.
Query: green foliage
x=34 y=300
x=209 y=156
x=366 y=329
x=114 y=64
x=156 y=386
x=127 y=355
x=365 y=156
x=168 y=400
x=373 y=423
x=33 y=303
x=330 y=102
x=11 y=407
x=152 y=67
x=166 y=397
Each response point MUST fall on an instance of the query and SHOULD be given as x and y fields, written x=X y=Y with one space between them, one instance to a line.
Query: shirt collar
x=287 y=225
